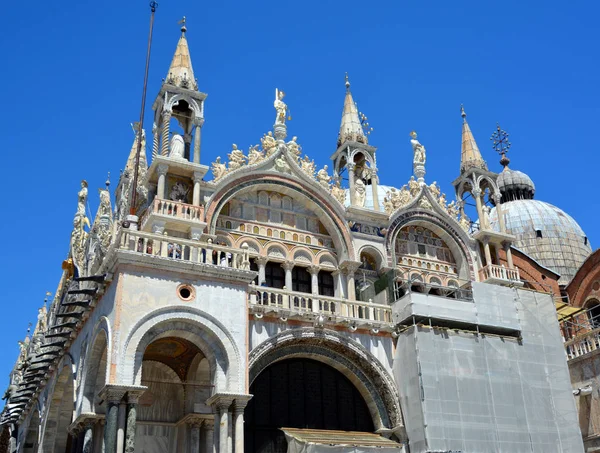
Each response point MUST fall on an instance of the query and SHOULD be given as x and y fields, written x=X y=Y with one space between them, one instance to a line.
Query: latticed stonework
x=271 y=305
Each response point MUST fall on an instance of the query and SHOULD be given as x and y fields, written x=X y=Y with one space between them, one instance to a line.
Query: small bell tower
x=354 y=158
x=179 y=99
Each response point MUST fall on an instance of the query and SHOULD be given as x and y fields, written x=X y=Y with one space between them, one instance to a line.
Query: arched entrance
x=301 y=393
x=60 y=414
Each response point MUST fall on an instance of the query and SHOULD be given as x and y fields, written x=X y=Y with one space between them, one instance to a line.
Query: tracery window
x=417 y=247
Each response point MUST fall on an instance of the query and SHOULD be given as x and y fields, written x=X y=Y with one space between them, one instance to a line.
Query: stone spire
x=180 y=72
x=143 y=166
x=470 y=155
x=351 y=127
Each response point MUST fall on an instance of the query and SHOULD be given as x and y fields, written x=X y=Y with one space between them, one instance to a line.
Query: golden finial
x=182 y=23
x=413 y=134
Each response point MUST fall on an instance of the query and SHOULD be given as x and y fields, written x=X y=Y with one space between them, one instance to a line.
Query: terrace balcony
x=500 y=275
x=180 y=216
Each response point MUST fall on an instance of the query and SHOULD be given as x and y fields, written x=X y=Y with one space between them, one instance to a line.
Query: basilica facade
x=267 y=306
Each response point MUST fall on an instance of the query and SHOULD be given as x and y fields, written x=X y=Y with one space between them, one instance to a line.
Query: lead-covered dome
x=515 y=185
x=547 y=234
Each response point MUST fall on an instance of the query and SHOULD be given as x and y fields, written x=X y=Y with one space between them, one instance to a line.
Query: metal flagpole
x=132 y=207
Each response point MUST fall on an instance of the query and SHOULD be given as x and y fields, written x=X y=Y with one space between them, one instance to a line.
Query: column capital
x=240 y=403
x=351 y=166
x=506 y=245
x=198 y=121
x=313 y=270
x=497 y=197
x=87 y=420
x=194 y=420
x=262 y=260
x=198 y=175
x=350 y=267
x=336 y=272
x=162 y=169
x=135 y=393
x=113 y=393
x=288 y=265
x=221 y=401
x=476 y=191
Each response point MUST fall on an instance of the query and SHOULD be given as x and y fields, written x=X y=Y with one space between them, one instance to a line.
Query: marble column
x=133 y=396
x=196 y=195
x=209 y=436
x=122 y=419
x=197 y=140
x=509 y=258
x=477 y=195
x=187 y=140
x=165 y=133
x=195 y=435
x=74 y=435
x=261 y=261
x=314 y=274
x=350 y=166
x=351 y=288
x=487 y=252
x=223 y=426
x=88 y=436
x=238 y=416
x=155 y=140
x=374 y=188
x=160 y=187
x=112 y=395
x=499 y=212
x=336 y=283
x=288 y=266
x=229 y=431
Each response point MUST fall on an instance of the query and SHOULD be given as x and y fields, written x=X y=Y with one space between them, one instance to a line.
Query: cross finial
x=182 y=23
x=347 y=83
x=462 y=112
x=501 y=144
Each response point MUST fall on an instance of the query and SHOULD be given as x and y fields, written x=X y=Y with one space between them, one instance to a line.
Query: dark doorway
x=301 y=393
x=301 y=280
x=274 y=275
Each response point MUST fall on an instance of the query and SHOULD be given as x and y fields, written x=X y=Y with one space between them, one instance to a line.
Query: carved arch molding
x=354 y=361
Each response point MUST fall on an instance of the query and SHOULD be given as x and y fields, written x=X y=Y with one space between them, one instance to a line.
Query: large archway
x=60 y=414
x=31 y=444
x=301 y=393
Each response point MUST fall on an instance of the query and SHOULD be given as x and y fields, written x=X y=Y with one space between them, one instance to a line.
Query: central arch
x=367 y=375
x=301 y=393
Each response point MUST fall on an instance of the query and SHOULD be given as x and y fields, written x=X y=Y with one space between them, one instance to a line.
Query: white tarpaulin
x=322 y=441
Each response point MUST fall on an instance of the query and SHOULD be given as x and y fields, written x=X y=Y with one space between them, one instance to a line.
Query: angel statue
x=269 y=145
x=280 y=107
x=419 y=155
x=294 y=147
x=218 y=169
x=323 y=177
x=236 y=158
x=255 y=155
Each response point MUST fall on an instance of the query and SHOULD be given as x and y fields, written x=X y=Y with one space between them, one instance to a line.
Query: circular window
x=596 y=286
x=186 y=292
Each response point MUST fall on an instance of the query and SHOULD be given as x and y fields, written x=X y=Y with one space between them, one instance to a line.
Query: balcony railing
x=495 y=273
x=174 y=209
x=583 y=344
x=184 y=249
x=272 y=299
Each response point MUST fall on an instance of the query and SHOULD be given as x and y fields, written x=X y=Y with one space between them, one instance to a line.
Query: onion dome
x=515 y=185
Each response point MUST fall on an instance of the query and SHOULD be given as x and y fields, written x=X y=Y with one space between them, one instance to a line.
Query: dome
x=546 y=233
x=515 y=185
x=381 y=193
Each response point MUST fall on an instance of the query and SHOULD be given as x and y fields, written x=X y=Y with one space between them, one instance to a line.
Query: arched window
x=593 y=313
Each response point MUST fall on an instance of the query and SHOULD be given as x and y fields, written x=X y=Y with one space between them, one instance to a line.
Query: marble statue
x=41 y=325
x=360 y=193
x=254 y=155
x=236 y=158
x=434 y=189
x=294 y=148
x=442 y=200
x=179 y=192
x=218 y=169
x=177 y=147
x=465 y=223
x=338 y=192
x=419 y=154
x=322 y=177
x=413 y=186
x=282 y=165
x=453 y=210
x=388 y=206
x=269 y=145
x=82 y=199
x=398 y=198
x=308 y=166
x=280 y=107
x=485 y=217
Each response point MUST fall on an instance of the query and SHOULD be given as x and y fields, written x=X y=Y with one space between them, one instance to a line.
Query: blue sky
x=72 y=75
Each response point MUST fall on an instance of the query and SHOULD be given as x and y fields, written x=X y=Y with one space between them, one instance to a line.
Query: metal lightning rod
x=132 y=207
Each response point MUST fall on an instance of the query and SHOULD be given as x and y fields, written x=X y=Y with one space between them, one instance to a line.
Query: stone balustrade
x=493 y=273
x=173 y=209
x=184 y=249
x=272 y=299
x=583 y=344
